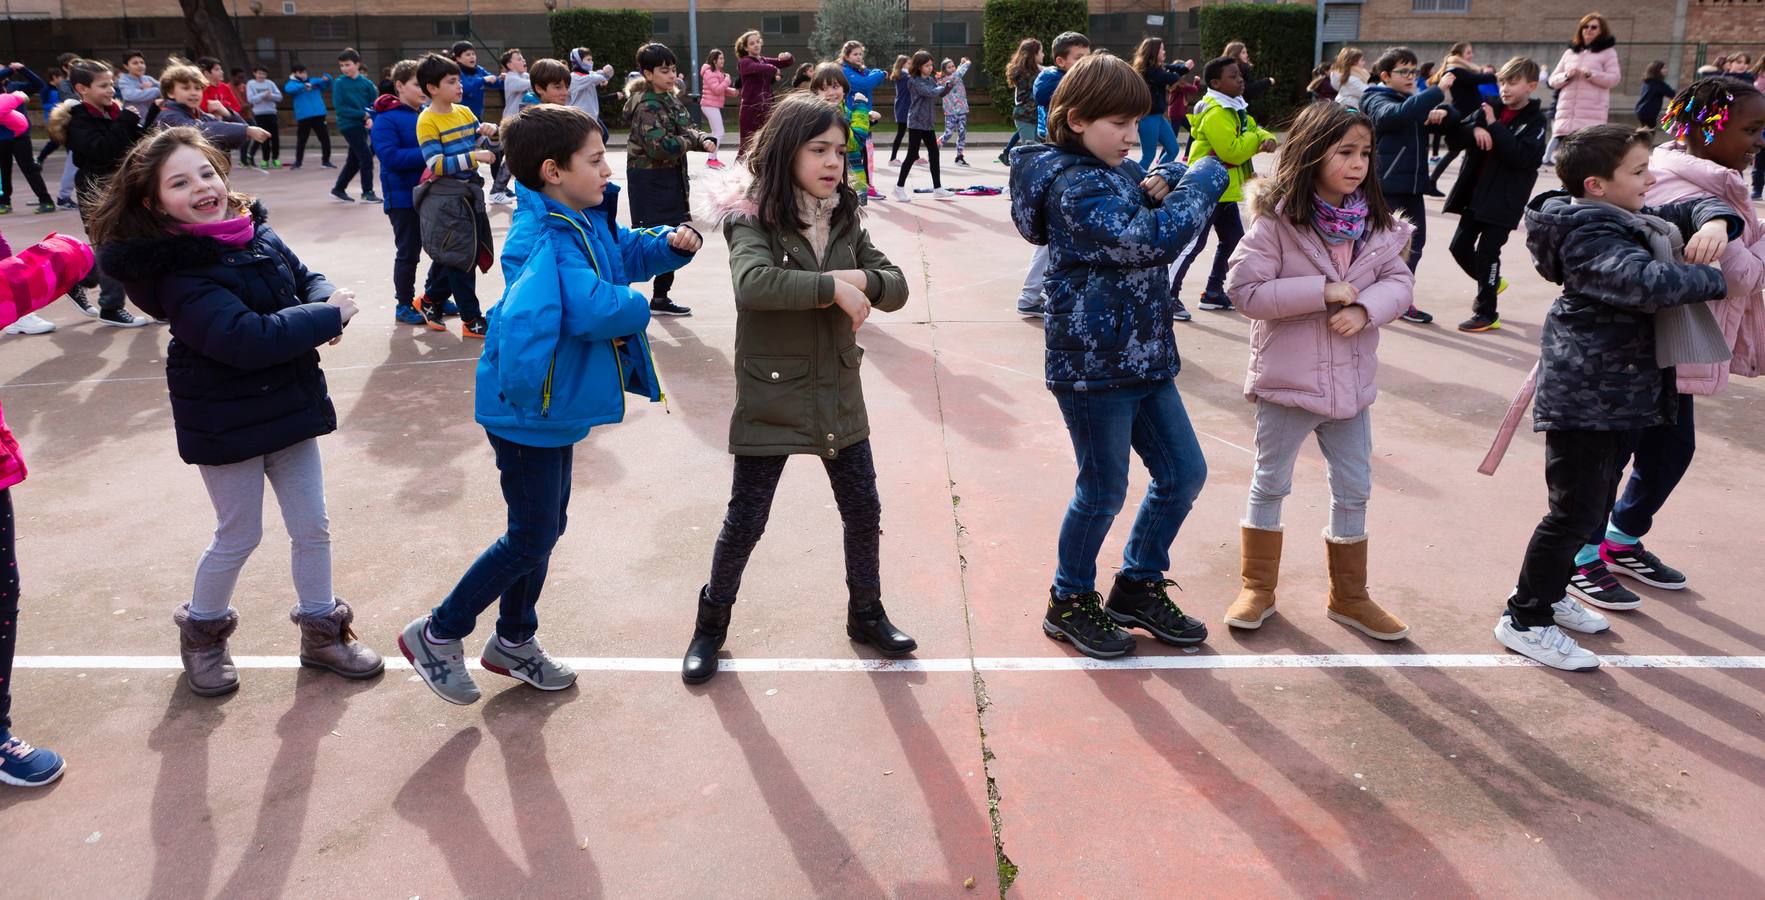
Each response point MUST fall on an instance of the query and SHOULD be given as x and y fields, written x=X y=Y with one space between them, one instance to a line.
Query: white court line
x=983 y=664
x=161 y=377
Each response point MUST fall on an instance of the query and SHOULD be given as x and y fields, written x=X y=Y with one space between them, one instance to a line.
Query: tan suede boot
x=1349 y=601
x=202 y=645
x=327 y=642
x=1259 y=560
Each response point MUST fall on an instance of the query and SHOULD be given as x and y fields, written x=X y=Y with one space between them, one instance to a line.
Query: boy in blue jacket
x=1400 y=114
x=566 y=343
x=473 y=77
x=308 y=95
x=401 y=167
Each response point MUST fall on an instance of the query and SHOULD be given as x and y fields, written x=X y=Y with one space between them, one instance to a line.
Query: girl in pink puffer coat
x=1319 y=271
x=1583 y=79
x=714 y=89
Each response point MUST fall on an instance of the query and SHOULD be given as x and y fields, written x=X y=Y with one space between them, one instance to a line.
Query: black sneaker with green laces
x=1078 y=619
x=1146 y=604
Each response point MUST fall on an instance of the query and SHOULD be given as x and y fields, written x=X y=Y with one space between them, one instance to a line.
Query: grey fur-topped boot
x=202 y=645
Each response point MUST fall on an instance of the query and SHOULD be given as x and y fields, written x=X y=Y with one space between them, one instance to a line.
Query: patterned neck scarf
x=1340 y=224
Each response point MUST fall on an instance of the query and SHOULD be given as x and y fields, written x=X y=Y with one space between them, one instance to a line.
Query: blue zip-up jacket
x=550 y=370
x=1109 y=301
x=472 y=89
x=308 y=95
x=862 y=81
x=395 y=145
x=1044 y=94
x=1402 y=141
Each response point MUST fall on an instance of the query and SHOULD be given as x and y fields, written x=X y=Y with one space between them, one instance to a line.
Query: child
x=1600 y=380
x=247 y=320
x=1319 y=88
x=757 y=73
x=922 y=116
x=1320 y=270
x=1069 y=48
x=955 y=108
x=1221 y=128
x=184 y=106
x=714 y=90
x=98 y=133
x=1715 y=126
x=655 y=160
x=1466 y=95
x=28 y=282
x=568 y=344
x=1400 y=113
x=899 y=74
x=516 y=84
x=1655 y=91
x=473 y=77
x=401 y=169
x=263 y=95
x=450 y=200
x=139 y=90
x=353 y=93
x=806 y=278
x=551 y=83
x=17 y=84
x=1025 y=65
x=586 y=81
x=1155 y=130
x=1111 y=355
x=1348 y=75
x=830 y=84
x=859 y=80
x=217 y=91
x=309 y=113
x=1501 y=165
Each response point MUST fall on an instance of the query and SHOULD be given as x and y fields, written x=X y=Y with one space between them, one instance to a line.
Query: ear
x=1594 y=186
x=550 y=173
x=1076 y=124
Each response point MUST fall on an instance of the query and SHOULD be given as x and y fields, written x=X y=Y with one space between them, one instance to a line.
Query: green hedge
x=1280 y=40
x=1006 y=22
x=614 y=35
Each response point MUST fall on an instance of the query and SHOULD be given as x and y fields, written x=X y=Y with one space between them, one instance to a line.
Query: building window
x=1440 y=6
x=136 y=30
x=781 y=24
x=330 y=30
x=659 y=24
x=453 y=28
x=945 y=33
x=1101 y=22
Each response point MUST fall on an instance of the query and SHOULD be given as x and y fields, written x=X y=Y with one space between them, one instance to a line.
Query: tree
x=212 y=32
x=880 y=25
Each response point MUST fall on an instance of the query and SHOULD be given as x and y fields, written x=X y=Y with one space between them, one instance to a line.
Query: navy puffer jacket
x=1398 y=126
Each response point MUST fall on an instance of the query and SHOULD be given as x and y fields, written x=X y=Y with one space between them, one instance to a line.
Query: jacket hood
x=59 y=117
x=727 y=195
x=1603 y=42
x=1549 y=219
x=146 y=260
x=1034 y=169
x=533 y=208
x=387 y=103
x=1681 y=175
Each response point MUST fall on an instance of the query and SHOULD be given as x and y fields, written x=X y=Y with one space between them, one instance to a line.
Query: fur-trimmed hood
x=58 y=119
x=141 y=264
x=727 y=195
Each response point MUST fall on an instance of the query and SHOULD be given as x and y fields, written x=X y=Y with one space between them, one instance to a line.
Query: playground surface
x=1299 y=760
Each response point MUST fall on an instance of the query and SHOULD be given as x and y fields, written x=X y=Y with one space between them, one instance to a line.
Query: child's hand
x=685 y=240
x=709 y=145
x=853 y=301
x=1436 y=117
x=1446 y=81
x=1707 y=245
x=1156 y=187
x=484 y=156
x=1340 y=293
x=1481 y=136
x=256 y=133
x=1269 y=145
x=1489 y=114
x=1349 y=320
x=214 y=106
x=344 y=300
x=487 y=129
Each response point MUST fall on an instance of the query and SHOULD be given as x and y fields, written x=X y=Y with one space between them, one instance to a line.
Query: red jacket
x=223 y=93
x=1181 y=92
x=29 y=282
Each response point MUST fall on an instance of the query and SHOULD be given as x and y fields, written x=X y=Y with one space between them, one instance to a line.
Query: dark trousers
x=1440 y=168
x=110 y=290
x=1758 y=175
x=917 y=138
x=8 y=610
x=661 y=285
x=313 y=125
x=407 y=239
x=361 y=159
x=900 y=132
x=853 y=477
x=272 y=148
x=1663 y=454
x=536 y=488
x=1581 y=470
x=1229 y=228
x=1476 y=247
x=53 y=146
x=459 y=285
x=18 y=150
x=1414 y=208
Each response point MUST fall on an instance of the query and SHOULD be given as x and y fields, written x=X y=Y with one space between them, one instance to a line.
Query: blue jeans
x=1658 y=461
x=536 y=487
x=446 y=283
x=1156 y=132
x=1103 y=425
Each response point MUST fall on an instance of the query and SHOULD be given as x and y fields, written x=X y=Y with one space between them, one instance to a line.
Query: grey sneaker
x=441 y=666
x=528 y=662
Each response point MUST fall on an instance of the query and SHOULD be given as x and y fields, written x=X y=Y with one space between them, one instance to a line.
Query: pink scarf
x=235 y=232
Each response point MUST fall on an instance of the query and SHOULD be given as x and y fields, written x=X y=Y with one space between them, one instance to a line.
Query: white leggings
x=237 y=492
x=714 y=121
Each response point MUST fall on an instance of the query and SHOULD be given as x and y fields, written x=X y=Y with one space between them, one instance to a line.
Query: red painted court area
x=1302 y=759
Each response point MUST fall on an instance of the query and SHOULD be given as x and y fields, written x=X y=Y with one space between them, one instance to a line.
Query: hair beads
x=1708 y=115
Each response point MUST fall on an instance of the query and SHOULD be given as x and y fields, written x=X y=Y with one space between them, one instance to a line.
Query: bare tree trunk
x=212 y=32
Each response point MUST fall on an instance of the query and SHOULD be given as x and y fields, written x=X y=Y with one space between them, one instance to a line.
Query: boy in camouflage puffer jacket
x=1598 y=380
x=655 y=161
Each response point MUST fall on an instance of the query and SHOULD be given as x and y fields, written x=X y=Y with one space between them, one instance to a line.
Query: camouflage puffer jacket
x=1597 y=368
x=1109 y=302
x=661 y=131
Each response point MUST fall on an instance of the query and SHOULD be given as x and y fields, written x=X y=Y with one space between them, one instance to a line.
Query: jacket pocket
x=851 y=417
x=774 y=391
x=1290 y=356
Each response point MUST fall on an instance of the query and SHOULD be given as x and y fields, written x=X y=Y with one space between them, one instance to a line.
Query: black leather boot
x=868 y=623
x=708 y=634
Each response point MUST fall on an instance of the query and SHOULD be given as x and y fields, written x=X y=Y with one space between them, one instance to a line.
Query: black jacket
x=1655 y=91
x=1493 y=185
x=246 y=322
x=98 y=143
x=1254 y=87
x=1158 y=85
x=1596 y=368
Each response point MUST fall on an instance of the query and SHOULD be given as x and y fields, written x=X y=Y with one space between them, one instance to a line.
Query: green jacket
x=1233 y=137
x=796 y=356
x=661 y=131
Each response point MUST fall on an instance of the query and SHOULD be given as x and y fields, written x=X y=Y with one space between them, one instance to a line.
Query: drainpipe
x=1676 y=57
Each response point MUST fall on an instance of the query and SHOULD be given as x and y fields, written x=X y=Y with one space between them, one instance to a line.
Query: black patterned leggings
x=853 y=476
x=8 y=609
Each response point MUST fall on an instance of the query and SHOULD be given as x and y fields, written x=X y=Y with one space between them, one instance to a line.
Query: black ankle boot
x=708 y=634
x=868 y=623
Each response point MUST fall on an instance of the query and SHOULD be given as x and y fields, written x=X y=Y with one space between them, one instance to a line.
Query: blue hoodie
x=862 y=81
x=1109 y=300
x=550 y=371
x=308 y=95
x=1043 y=92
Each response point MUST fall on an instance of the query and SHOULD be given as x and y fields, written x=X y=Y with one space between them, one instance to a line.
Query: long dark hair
x=796 y=120
x=1023 y=62
x=1146 y=55
x=1290 y=191
x=126 y=206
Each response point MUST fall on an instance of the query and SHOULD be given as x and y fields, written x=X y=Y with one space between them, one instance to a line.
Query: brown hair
x=828 y=73
x=402 y=71
x=796 y=120
x=1315 y=132
x=921 y=58
x=1347 y=59
x=1096 y=87
x=1146 y=55
x=741 y=43
x=847 y=48
x=1596 y=152
x=181 y=73
x=1605 y=30
x=1023 y=62
x=541 y=132
x=1519 y=67
x=1233 y=49
x=125 y=207
x=547 y=71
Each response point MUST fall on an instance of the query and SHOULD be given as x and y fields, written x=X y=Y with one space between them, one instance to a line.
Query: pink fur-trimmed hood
x=728 y=194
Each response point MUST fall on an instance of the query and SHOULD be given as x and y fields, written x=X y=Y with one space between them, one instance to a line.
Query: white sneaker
x=943 y=194
x=1569 y=613
x=502 y=198
x=900 y=193
x=1548 y=645
x=31 y=323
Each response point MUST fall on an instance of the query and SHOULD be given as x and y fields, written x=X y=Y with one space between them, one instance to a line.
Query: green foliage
x=881 y=27
x=1006 y=22
x=614 y=35
x=1280 y=40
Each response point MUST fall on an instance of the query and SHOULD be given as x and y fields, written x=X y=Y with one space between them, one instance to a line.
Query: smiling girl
x=248 y=397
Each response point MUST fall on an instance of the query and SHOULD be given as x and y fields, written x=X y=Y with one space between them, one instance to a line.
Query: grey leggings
x=237 y=492
x=1348 y=448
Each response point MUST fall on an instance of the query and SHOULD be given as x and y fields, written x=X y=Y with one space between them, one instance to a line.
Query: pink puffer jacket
x=714 y=87
x=1277 y=278
x=29 y=282
x=1680 y=176
x=1584 y=101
